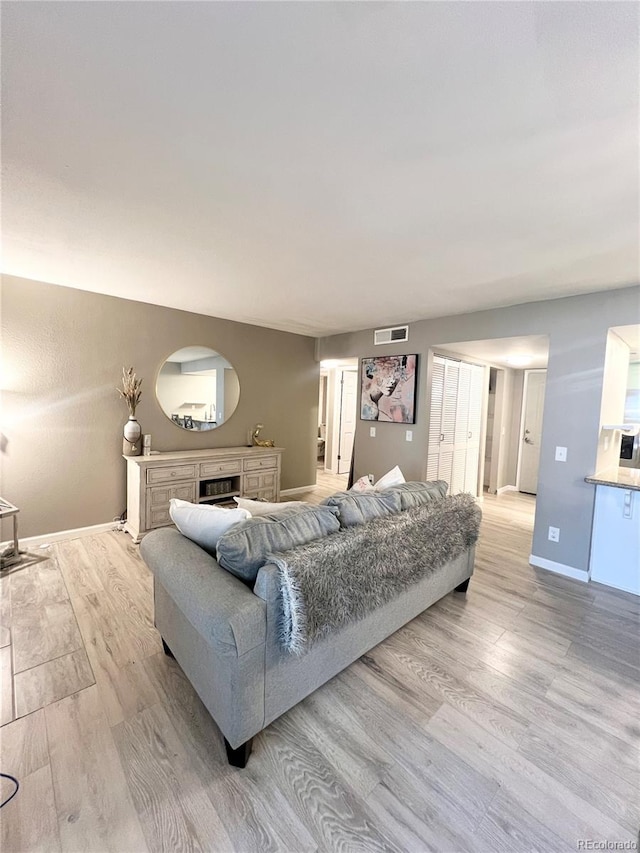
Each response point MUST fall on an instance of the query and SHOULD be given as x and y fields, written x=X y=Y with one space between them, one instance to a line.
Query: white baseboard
x=297 y=491
x=504 y=489
x=559 y=568
x=59 y=536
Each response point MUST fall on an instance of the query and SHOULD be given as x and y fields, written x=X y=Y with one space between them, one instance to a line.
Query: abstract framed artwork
x=388 y=388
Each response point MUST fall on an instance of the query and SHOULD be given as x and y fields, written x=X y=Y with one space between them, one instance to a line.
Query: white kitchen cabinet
x=615 y=537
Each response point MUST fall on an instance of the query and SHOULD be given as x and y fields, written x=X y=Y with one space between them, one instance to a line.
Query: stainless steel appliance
x=630 y=451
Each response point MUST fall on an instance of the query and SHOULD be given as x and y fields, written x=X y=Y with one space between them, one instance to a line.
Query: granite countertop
x=619 y=478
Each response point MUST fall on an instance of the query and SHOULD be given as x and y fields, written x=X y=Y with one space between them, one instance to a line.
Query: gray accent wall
x=577 y=328
x=63 y=352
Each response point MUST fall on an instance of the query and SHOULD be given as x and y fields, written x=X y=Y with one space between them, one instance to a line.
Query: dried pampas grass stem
x=130 y=391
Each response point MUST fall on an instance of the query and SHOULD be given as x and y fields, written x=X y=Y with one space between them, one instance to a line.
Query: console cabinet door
x=261 y=486
x=158 y=502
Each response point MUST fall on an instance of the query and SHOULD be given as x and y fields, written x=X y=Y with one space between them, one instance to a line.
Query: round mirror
x=197 y=388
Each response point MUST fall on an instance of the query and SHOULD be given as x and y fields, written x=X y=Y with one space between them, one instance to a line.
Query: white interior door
x=456 y=484
x=531 y=430
x=474 y=429
x=348 y=410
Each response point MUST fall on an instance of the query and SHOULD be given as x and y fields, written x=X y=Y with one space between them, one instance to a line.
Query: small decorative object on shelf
x=217 y=487
x=258 y=442
x=130 y=392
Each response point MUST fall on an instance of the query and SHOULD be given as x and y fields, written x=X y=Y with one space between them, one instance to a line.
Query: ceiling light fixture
x=519 y=360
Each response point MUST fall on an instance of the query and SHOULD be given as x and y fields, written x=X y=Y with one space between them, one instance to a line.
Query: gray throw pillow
x=244 y=549
x=354 y=508
x=417 y=494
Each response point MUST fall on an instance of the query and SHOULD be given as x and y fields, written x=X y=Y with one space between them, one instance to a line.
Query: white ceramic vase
x=132 y=441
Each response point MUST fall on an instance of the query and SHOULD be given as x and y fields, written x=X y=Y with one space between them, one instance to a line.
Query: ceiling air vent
x=391 y=336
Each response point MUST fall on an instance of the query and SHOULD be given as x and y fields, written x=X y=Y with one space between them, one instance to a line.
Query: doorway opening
x=338 y=413
x=487 y=406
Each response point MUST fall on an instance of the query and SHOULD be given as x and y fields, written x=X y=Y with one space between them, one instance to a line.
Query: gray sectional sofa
x=226 y=631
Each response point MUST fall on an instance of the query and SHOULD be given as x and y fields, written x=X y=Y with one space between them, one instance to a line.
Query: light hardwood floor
x=506 y=719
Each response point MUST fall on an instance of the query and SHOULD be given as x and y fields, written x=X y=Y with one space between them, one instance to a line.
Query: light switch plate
x=561 y=454
x=409 y=435
x=372 y=432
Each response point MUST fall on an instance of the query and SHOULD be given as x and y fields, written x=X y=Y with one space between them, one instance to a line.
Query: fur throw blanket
x=344 y=576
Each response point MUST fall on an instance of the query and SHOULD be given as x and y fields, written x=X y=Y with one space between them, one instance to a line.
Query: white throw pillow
x=204 y=524
x=392 y=478
x=362 y=485
x=257 y=508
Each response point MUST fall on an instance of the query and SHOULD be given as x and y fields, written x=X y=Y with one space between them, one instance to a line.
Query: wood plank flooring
x=506 y=719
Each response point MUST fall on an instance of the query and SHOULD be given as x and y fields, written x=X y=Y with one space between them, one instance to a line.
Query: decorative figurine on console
x=258 y=442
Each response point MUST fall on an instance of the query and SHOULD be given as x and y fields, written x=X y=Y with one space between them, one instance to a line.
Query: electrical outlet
x=372 y=432
x=409 y=435
x=561 y=454
x=554 y=534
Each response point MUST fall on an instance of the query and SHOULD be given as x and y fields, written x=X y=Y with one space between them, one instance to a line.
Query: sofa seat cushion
x=357 y=508
x=244 y=549
x=417 y=494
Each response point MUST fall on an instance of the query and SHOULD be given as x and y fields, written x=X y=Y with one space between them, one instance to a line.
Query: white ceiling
x=499 y=350
x=321 y=167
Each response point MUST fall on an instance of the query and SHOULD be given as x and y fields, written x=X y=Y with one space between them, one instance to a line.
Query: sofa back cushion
x=244 y=549
x=256 y=508
x=354 y=508
x=416 y=494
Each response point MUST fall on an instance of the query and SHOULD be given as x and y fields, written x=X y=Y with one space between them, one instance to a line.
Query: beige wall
x=63 y=352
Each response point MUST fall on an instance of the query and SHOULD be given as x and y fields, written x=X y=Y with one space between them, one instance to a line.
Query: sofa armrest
x=218 y=605
x=267 y=585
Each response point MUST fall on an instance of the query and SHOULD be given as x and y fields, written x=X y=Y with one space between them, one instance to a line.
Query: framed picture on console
x=388 y=388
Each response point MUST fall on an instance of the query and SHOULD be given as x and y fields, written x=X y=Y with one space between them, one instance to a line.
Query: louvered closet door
x=445 y=466
x=448 y=428
x=455 y=424
x=435 y=418
x=449 y=405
